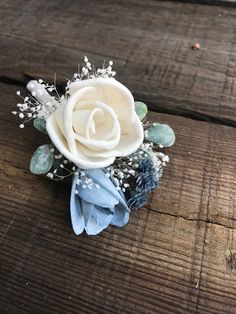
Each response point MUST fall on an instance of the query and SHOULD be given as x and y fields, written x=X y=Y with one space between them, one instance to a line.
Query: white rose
x=97 y=123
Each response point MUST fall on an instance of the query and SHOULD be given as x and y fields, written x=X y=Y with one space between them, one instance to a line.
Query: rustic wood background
x=177 y=255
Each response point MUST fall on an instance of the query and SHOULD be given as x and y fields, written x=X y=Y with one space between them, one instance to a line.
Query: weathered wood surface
x=178 y=254
x=149 y=41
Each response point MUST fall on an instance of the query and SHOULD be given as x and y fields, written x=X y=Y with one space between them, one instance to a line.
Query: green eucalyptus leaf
x=42 y=160
x=40 y=124
x=141 y=109
x=160 y=134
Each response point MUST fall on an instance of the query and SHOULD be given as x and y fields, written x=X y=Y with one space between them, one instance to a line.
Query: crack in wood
x=206 y=221
x=227 y=3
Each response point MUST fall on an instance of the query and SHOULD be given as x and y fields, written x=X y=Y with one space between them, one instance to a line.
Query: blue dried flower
x=137 y=199
x=148 y=179
x=146 y=165
x=147 y=182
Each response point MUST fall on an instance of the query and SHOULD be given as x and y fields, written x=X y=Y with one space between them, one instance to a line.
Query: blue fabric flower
x=93 y=209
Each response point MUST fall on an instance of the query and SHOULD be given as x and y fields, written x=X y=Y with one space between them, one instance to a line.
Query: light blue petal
x=120 y=217
x=76 y=213
x=97 y=196
x=99 y=220
x=99 y=177
x=124 y=203
x=87 y=209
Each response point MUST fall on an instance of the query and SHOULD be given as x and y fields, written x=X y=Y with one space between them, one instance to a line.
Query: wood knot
x=230 y=256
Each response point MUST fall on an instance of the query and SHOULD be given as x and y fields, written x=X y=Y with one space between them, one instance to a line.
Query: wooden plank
x=203 y=172
x=150 y=44
x=175 y=255
x=213 y=2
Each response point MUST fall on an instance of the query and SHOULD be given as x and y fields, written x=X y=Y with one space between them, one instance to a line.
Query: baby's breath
x=88 y=71
x=32 y=106
x=84 y=181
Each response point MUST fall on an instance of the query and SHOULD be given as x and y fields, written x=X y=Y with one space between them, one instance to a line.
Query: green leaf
x=42 y=160
x=141 y=109
x=161 y=134
x=40 y=124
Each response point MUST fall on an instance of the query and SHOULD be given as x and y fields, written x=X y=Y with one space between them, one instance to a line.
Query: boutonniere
x=98 y=136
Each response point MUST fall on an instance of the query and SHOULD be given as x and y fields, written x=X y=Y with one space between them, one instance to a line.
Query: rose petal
x=83 y=122
x=131 y=141
x=113 y=93
x=95 y=144
x=79 y=159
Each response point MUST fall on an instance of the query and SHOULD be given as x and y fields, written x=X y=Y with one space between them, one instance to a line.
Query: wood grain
x=176 y=255
x=150 y=43
x=170 y=258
